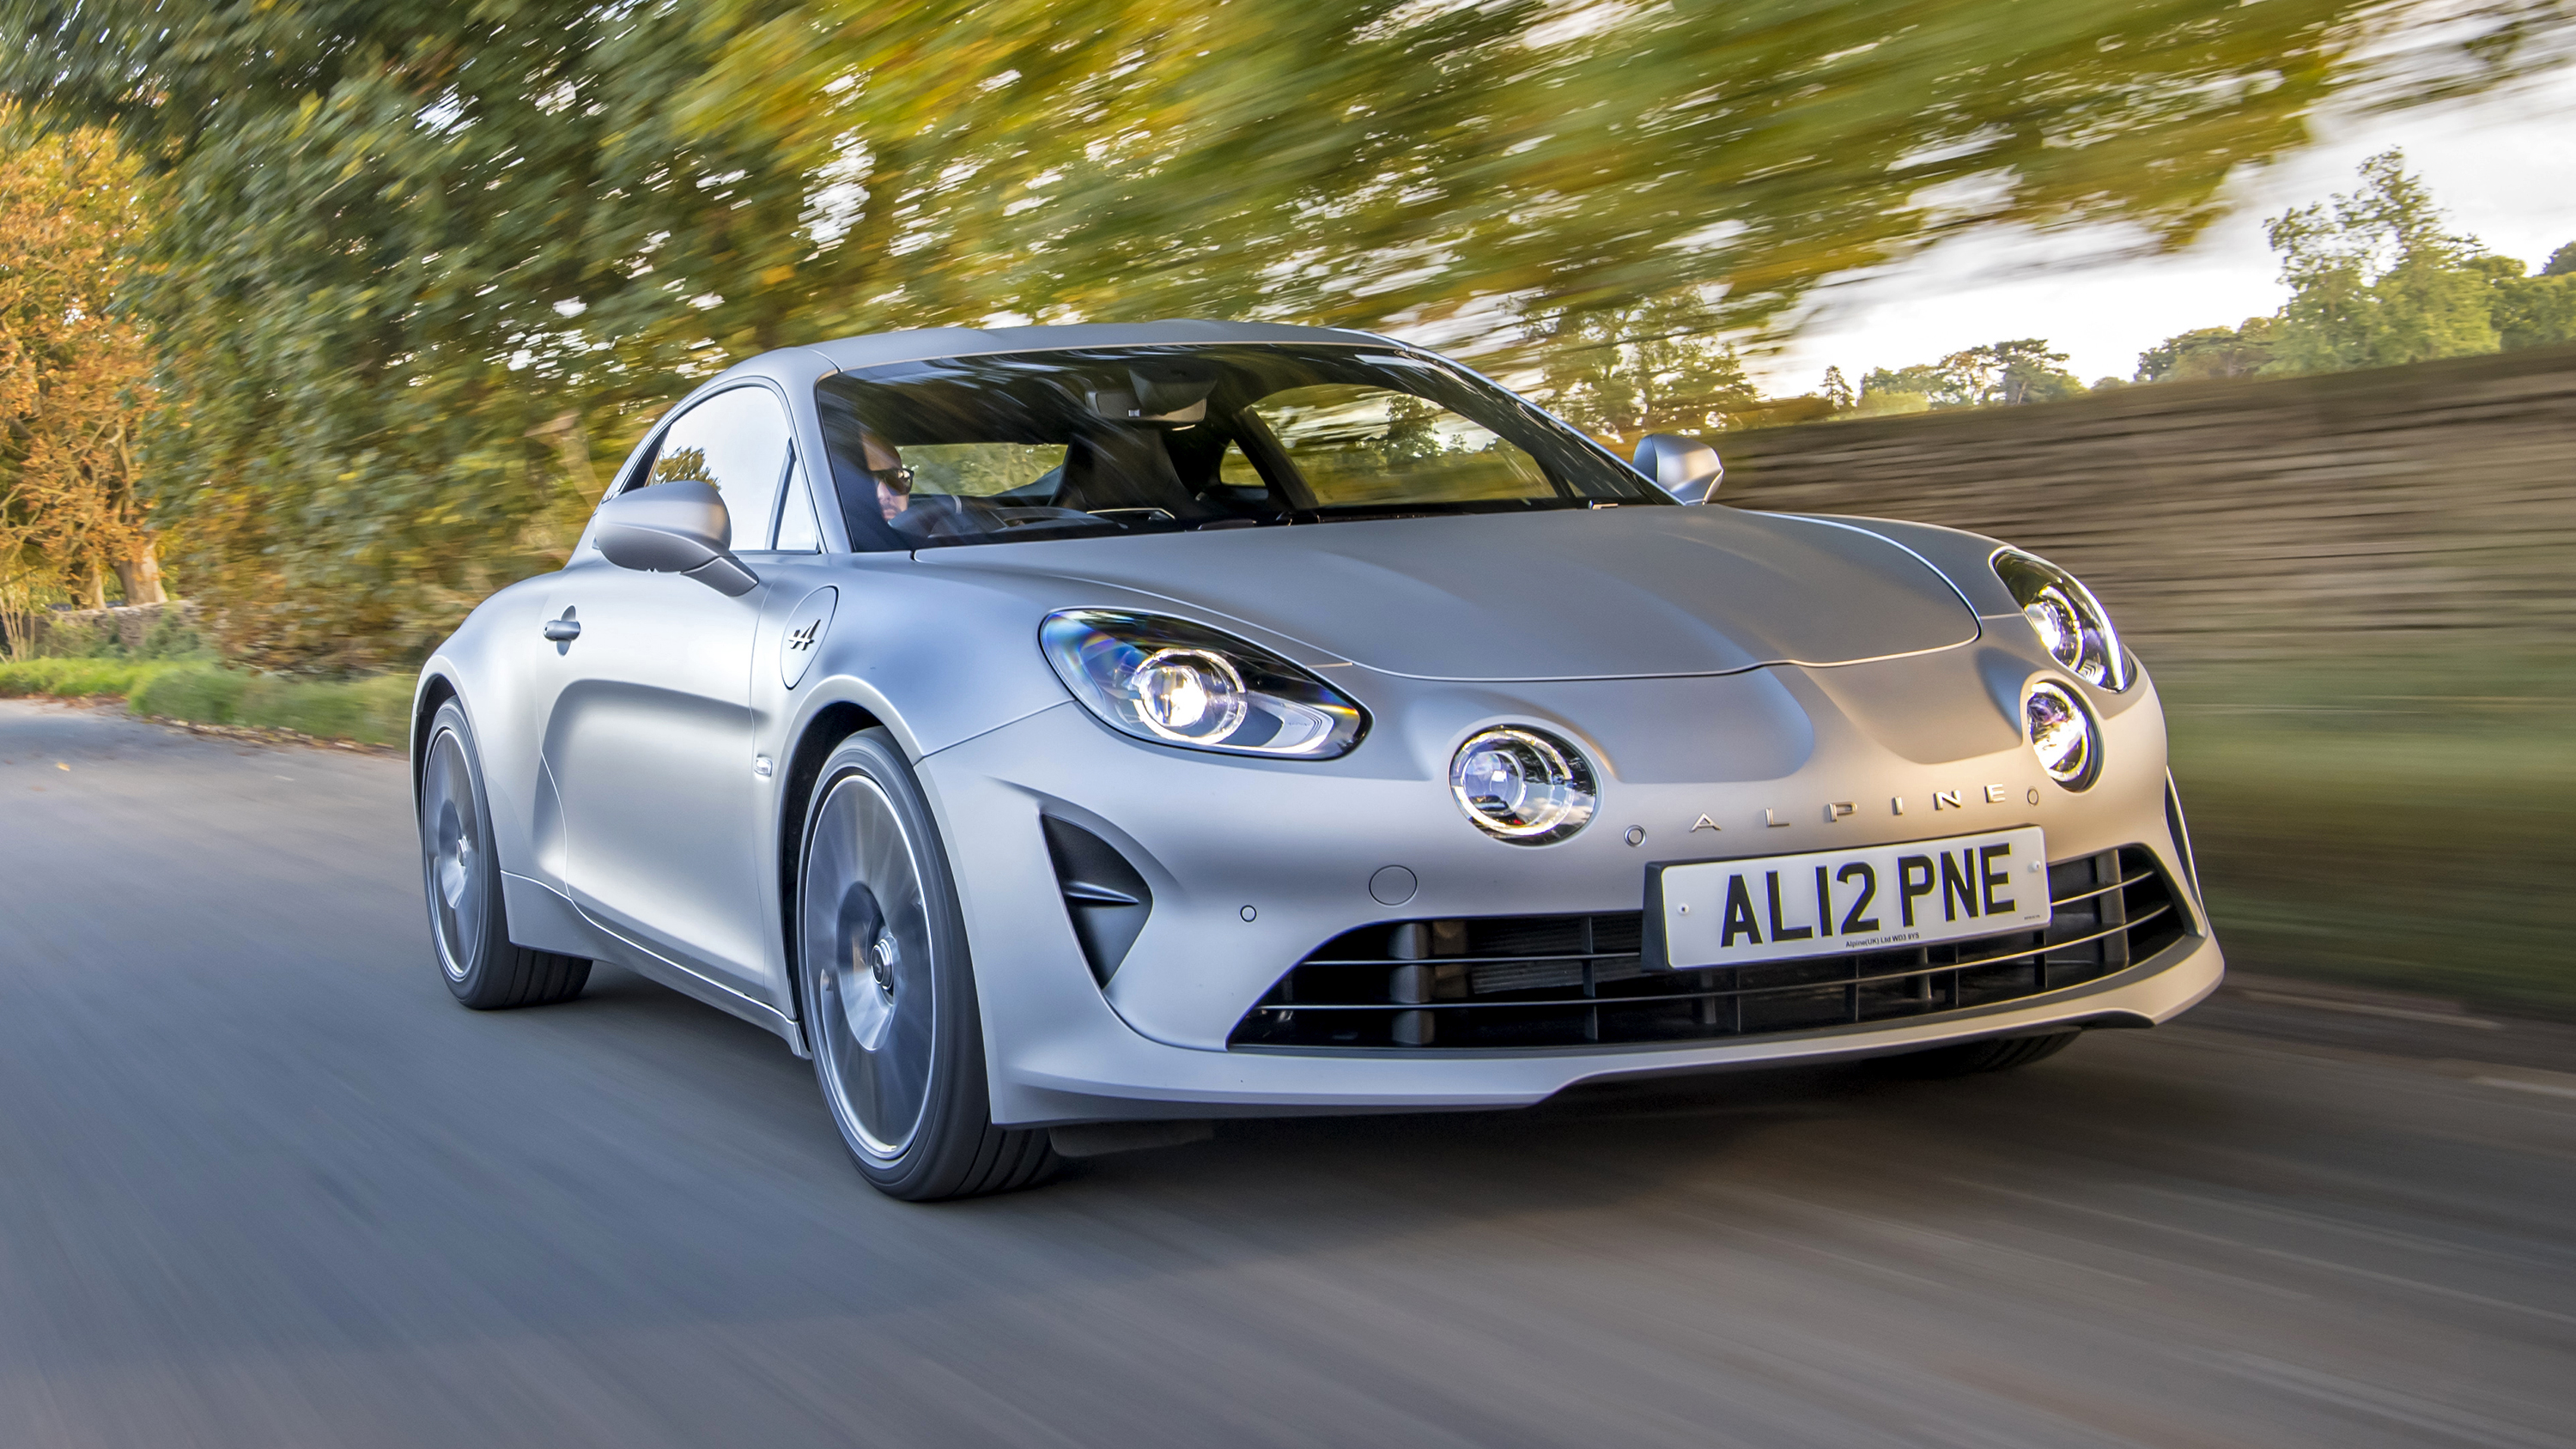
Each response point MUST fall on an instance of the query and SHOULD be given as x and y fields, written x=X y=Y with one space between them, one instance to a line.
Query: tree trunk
x=141 y=576
x=94 y=591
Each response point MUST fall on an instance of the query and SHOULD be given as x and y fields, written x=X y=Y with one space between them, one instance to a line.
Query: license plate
x=1826 y=902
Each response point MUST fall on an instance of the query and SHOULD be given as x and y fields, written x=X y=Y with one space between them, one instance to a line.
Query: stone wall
x=130 y=622
x=2401 y=508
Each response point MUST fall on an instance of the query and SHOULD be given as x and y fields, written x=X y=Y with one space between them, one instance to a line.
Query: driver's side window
x=738 y=441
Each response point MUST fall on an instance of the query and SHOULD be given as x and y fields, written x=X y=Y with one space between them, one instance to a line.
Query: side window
x=736 y=440
x=797 y=530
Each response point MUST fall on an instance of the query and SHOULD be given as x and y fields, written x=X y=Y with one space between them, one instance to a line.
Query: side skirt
x=545 y=920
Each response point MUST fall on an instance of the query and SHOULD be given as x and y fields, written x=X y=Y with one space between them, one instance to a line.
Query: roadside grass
x=373 y=710
x=80 y=678
x=2405 y=822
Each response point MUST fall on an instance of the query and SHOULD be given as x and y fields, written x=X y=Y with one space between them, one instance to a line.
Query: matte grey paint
x=680 y=527
x=1710 y=662
x=1628 y=592
x=1686 y=468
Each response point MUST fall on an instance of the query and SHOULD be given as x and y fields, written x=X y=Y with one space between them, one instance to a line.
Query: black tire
x=888 y=992
x=468 y=924
x=2001 y=1054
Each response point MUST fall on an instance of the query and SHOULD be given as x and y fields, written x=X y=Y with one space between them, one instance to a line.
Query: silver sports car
x=1066 y=736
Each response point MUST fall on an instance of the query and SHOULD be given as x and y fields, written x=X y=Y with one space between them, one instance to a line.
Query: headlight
x=2072 y=625
x=1522 y=786
x=1178 y=683
x=2061 y=734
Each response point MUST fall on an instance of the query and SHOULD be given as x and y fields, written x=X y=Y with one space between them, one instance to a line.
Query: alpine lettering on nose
x=1837 y=811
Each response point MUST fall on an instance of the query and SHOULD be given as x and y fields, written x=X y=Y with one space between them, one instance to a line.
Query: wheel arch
x=436 y=687
x=821 y=734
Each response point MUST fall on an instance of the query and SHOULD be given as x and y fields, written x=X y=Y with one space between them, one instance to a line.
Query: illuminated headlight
x=2061 y=734
x=1178 y=683
x=1522 y=786
x=2072 y=625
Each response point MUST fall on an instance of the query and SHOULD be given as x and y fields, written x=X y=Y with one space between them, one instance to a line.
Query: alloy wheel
x=868 y=948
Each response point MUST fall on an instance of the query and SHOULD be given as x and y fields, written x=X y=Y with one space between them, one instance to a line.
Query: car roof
x=878 y=348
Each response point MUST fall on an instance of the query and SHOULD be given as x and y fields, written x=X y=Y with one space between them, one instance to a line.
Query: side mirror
x=675 y=528
x=1683 y=467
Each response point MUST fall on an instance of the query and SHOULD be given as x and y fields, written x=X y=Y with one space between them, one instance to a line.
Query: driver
x=894 y=480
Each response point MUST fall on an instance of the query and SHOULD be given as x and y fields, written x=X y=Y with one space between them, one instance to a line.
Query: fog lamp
x=2061 y=734
x=1522 y=786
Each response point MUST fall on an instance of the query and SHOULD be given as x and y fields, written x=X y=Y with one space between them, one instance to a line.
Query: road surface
x=262 y=1183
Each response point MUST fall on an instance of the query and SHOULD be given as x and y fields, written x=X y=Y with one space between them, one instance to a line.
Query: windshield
x=1173 y=439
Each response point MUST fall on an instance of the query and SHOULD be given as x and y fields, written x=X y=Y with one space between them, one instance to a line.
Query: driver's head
x=894 y=480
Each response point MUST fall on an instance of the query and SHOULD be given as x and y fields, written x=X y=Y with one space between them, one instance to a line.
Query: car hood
x=1609 y=593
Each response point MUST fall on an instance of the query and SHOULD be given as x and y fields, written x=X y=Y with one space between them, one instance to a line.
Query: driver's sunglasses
x=897 y=479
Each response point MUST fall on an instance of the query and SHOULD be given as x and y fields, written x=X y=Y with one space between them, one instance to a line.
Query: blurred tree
x=1653 y=368
x=1998 y=374
x=1837 y=390
x=2530 y=311
x=2562 y=262
x=2375 y=280
x=2008 y=374
x=2209 y=352
x=73 y=373
x=1904 y=390
x=426 y=268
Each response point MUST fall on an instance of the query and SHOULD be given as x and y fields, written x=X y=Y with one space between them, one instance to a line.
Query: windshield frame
x=872 y=403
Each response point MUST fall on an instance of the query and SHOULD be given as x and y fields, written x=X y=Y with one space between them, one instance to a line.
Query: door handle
x=563 y=631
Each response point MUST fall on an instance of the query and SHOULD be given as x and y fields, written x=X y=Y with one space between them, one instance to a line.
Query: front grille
x=1572 y=981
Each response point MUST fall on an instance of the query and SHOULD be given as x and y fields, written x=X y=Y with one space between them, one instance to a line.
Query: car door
x=649 y=738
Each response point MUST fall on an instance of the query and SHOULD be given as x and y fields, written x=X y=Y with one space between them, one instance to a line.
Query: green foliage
x=374 y=710
x=2375 y=280
x=1837 y=390
x=1998 y=374
x=1653 y=368
x=2209 y=352
x=1922 y=380
x=2533 y=311
x=78 y=678
x=2008 y=374
x=201 y=694
x=1889 y=402
x=425 y=270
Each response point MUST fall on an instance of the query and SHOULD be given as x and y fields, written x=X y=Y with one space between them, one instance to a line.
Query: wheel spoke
x=453 y=856
x=866 y=939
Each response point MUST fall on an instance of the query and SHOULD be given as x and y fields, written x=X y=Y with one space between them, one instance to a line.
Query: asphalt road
x=263 y=1183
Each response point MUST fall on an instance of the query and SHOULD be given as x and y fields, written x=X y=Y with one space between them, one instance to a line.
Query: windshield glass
x=1173 y=439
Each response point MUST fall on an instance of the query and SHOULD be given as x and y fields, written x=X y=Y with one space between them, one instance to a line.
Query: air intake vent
x=1105 y=897
x=1573 y=981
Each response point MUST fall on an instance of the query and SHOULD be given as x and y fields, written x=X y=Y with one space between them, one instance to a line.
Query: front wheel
x=462 y=878
x=888 y=993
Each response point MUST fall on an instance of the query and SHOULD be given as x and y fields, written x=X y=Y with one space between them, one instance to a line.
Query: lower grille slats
x=1523 y=981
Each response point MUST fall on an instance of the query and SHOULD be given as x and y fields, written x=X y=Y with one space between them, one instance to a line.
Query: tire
x=888 y=992
x=2001 y=1054
x=461 y=876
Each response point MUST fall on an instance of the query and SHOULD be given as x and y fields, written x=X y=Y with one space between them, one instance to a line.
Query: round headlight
x=2071 y=624
x=2061 y=734
x=1189 y=696
x=1522 y=786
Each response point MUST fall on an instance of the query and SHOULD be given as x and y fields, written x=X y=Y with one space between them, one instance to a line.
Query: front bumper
x=1254 y=864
